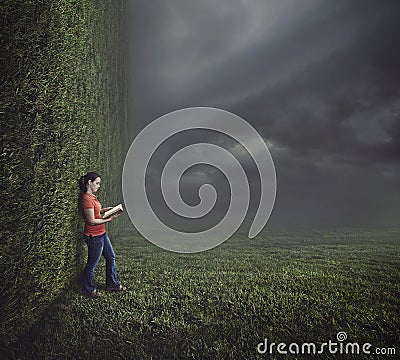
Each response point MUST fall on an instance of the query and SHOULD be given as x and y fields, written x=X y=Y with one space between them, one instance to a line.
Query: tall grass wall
x=63 y=113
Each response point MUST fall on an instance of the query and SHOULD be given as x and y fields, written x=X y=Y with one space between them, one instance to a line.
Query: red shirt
x=90 y=201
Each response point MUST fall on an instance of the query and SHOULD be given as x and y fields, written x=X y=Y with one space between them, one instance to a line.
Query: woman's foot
x=117 y=288
x=94 y=294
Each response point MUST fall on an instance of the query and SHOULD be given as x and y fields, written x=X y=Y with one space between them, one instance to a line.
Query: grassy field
x=63 y=112
x=302 y=286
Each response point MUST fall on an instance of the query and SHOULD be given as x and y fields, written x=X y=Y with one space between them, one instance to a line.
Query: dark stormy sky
x=318 y=79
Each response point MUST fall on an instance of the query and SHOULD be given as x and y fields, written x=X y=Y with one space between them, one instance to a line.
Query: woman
x=96 y=237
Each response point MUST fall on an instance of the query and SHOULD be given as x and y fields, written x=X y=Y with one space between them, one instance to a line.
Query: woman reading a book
x=96 y=237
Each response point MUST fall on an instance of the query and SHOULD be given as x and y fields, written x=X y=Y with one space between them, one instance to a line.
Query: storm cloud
x=318 y=80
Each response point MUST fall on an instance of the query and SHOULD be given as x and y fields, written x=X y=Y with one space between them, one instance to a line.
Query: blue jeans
x=97 y=246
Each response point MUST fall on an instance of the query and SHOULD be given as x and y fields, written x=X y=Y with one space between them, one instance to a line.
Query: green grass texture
x=63 y=113
x=286 y=286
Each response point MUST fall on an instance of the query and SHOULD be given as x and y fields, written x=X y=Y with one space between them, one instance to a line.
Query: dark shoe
x=118 y=288
x=94 y=294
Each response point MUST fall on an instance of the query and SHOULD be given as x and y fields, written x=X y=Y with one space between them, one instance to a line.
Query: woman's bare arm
x=89 y=214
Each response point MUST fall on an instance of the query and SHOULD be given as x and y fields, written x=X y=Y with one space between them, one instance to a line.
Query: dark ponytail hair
x=82 y=182
x=85 y=178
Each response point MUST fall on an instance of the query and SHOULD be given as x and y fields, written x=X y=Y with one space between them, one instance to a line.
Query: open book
x=115 y=210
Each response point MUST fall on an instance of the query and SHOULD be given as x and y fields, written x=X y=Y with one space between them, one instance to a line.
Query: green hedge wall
x=63 y=113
